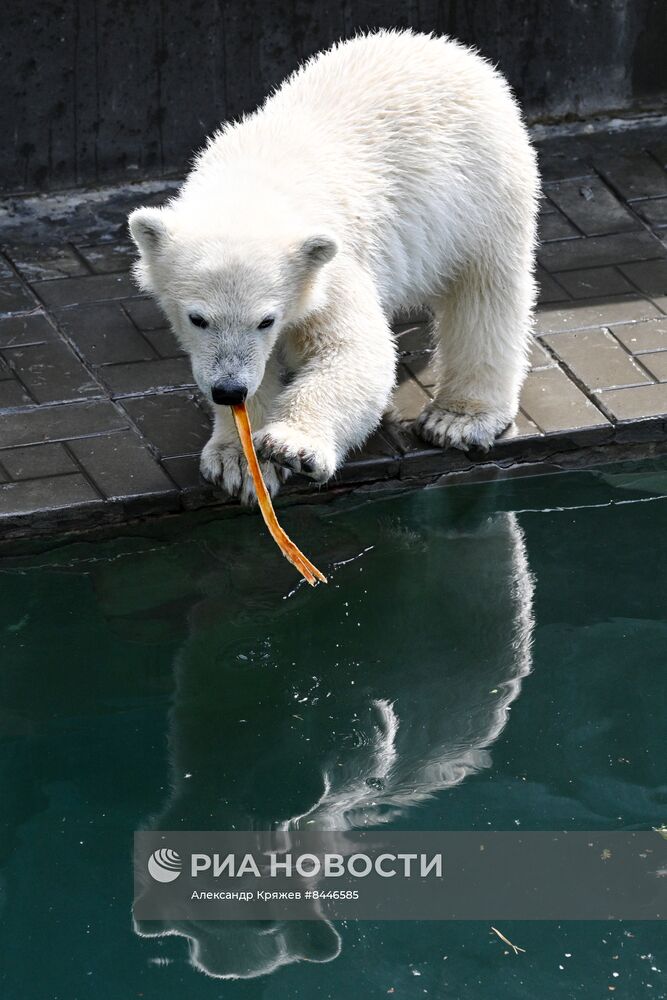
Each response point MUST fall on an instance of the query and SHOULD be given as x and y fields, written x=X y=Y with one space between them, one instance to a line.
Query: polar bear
x=391 y=172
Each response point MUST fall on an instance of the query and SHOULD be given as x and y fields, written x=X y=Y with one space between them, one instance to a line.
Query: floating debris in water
x=507 y=941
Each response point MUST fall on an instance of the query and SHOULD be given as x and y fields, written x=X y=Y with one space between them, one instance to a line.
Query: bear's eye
x=198 y=320
x=266 y=323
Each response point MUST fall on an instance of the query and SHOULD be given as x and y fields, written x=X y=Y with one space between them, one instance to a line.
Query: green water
x=178 y=677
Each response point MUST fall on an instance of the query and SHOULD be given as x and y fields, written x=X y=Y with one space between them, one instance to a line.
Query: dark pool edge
x=410 y=469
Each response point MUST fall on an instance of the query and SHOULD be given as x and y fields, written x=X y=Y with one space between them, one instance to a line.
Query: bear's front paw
x=225 y=465
x=446 y=428
x=290 y=448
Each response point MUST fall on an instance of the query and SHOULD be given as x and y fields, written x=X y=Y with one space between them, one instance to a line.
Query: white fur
x=390 y=172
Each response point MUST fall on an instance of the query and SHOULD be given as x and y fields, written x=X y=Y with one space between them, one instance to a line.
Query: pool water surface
x=485 y=657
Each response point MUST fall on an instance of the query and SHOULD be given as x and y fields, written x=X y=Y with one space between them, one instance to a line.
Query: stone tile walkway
x=100 y=420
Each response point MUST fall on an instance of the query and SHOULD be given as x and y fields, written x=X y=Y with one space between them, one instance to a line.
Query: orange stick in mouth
x=309 y=572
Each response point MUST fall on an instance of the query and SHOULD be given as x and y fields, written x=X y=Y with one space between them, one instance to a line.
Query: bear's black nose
x=228 y=392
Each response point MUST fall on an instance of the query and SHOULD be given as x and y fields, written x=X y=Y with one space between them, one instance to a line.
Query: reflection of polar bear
x=317 y=723
x=390 y=172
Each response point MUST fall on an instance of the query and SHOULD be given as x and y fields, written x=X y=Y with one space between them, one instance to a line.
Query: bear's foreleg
x=222 y=460
x=345 y=362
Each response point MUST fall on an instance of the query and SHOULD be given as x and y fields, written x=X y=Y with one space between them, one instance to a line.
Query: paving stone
x=591 y=206
x=546 y=207
x=5 y=268
x=120 y=465
x=14 y=297
x=548 y=289
x=377 y=459
x=409 y=398
x=656 y=363
x=423 y=460
x=147 y=376
x=521 y=427
x=61 y=422
x=164 y=343
x=414 y=340
x=93 y=288
x=597 y=251
x=641 y=337
x=36 y=462
x=422 y=368
x=401 y=324
x=556 y=227
x=539 y=358
x=557 y=165
x=592 y=282
x=13 y=394
x=18 y=331
x=634 y=175
x=145 y=314
x=596 y=359
x=657 y=147
x=650 y=277
x=104 y=334
x=33 y=495
x=37 y=263
x=555 y=404
x=589 y=313
x=633 y=404
x=107 y=258
x=51 y=372
x=171 y=421
x=184 y=471
x=653 y=211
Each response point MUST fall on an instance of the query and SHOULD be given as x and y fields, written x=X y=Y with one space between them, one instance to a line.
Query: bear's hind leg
x=482 y=330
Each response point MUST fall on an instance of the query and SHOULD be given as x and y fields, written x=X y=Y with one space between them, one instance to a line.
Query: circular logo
x=165 y=865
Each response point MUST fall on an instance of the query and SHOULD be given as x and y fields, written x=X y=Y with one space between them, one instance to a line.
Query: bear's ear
x=318 y=250
x=149 y=229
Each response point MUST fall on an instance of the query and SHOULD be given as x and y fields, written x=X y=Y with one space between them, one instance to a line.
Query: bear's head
x=229 y=295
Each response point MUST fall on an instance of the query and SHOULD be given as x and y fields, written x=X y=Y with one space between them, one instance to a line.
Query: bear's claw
x=288 y=449
x=464 y=431
x=224 y=465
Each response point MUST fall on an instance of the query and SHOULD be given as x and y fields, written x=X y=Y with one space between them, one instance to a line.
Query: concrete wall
x=100 y=90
